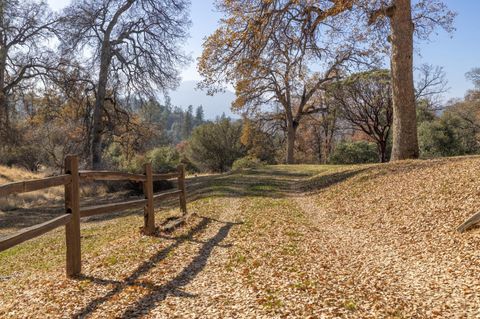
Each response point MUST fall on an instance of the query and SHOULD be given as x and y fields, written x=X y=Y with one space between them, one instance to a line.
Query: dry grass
x=37 y=198
x=27 y=209
x=11 y=174
x=373 y=241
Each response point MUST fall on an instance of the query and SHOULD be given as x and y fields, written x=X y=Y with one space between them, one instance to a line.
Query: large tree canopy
x=277 y=53
x=132 y=45
x=243 y=43
x=25 y=28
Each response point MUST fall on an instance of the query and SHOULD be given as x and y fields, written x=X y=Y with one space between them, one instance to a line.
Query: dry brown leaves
x=372 y=241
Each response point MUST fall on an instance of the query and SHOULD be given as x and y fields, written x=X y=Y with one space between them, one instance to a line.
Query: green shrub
x=216 y=145
x=114 y=156
x=260 y=144
x=164 y=159
x=246 y=162
x=435 y=139
x=182 y=149
x=354 y=153
x=449 y=135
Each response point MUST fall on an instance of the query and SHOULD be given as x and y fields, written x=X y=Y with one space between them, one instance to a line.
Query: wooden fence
x=73 y=212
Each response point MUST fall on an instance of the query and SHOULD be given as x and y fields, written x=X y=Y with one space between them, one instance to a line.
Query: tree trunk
x=325 y=151
x=4 y=118
x=291 y=134
x=4 y=111
x=382 y=151
x=405 y=142
x=318 y=145
x=105 y=60
x=3 y=57
x=97 y=125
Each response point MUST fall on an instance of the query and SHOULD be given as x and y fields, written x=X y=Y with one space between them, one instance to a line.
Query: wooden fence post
x=149 y=210
x=181 y=186
x=72 y=229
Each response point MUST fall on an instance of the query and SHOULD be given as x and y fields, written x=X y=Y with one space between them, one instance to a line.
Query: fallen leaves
x=374 y=241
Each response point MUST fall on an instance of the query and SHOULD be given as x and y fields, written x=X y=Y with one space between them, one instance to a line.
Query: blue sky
x=457 y=53
x=204 y=22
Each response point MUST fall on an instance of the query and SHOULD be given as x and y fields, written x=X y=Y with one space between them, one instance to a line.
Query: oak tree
x=131 y=45
x=25 y=28
x=267 y=51
x=365 y=101
x=386 y=25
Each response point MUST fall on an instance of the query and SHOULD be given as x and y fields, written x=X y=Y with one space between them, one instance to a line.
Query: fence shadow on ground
x=173 y=287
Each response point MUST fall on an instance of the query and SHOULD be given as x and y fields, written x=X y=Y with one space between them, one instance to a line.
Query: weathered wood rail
x=73 y=212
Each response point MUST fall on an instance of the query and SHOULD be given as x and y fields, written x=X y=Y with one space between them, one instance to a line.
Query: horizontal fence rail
x=34 y=231
x=73 y=212
x=34 y=185
x=111 y=176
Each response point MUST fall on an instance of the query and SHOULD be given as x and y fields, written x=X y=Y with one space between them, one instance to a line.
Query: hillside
x=363 y=241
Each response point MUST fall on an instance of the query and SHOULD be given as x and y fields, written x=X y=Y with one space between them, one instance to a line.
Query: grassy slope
x=297 y=241
x=11 y=174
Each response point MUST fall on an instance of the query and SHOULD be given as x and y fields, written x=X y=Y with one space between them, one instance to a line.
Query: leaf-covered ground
x=373 y=241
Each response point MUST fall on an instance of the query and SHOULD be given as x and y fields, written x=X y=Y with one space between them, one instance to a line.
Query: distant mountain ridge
x=187 y=94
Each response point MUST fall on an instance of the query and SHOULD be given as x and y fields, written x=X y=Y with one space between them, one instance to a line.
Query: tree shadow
x=172 y=287
x=318 y=183
x=276 y=184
